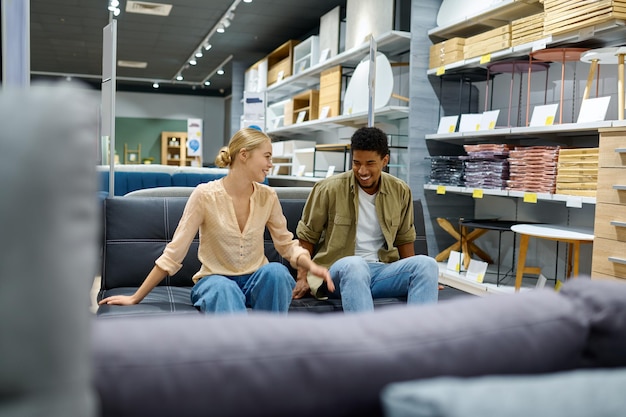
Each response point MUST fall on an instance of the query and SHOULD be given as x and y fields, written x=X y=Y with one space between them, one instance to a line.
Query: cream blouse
x=223 y=248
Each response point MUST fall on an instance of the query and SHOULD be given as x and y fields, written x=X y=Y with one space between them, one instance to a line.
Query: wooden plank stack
x=570 y=15
x=446 y=52
x=533 y=169
x=487 y=42
x=527 y=29
x=577 y=172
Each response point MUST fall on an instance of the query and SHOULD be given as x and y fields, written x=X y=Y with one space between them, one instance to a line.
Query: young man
x=362 y=221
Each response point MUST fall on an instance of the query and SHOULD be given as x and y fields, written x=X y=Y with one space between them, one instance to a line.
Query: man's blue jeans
x=358 y=282
x=269 y=288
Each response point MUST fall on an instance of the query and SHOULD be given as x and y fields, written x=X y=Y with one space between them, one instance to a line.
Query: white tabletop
x=555 y=231
x=603 y=55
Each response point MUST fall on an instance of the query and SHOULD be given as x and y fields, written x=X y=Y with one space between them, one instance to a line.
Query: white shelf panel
x=461 y=282
x=491 y=17
x=356 y=119
x=391 y=44
x=569 y=200
x=518 y=132
x=611 y=33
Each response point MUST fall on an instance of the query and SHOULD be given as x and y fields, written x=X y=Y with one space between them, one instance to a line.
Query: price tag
x=492 y=125
x=530 y=198
x=476 y=271
x=549 y=120
x=441 y=70
x=485 y=59
x=441 y=189
x=478 y=193
x=574 y=202
x=451 y=129
x=558 y=285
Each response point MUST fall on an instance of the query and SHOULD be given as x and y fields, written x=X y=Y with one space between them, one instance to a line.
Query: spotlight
x=199 y=53
x=114 y=3
x=179 y=77
x=155 y=85
x=193 y=61
x=207 y=46
x=226 y=22
x=220 y=28
x=116 y=12
x=220 y=71
x=247 y=1
x=207 y=82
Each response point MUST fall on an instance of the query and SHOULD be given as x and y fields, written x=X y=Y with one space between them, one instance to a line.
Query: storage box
x=446 y=52
x=488 y=42
x=572 y=15
x=330 y=91
x=280 y=61
x=527 y=29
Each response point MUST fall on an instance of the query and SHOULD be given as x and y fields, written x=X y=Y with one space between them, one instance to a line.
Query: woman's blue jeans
x=269 y=288
x=358 y=282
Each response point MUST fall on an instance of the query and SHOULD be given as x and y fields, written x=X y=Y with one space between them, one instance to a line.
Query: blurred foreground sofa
x=538 y=353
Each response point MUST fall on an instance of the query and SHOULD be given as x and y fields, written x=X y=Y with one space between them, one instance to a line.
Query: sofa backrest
x=136 y=230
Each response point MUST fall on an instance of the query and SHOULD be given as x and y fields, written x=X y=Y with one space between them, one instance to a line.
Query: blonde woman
x=231 y=215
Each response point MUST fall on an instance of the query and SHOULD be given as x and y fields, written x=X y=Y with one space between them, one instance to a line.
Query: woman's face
x=259 y=162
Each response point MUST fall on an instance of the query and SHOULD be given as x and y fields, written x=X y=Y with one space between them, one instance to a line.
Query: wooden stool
x=465 y=243
x=573 y=236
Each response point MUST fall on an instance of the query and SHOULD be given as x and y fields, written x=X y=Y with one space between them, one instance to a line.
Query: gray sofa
x=136 y=229
x=364 y=365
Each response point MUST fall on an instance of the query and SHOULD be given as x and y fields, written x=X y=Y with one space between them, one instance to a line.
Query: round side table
x=573 y=236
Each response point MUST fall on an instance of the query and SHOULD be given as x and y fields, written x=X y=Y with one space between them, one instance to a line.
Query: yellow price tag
x=480 y=278
x=530 y=198
x=441 y=189
x=477 y=126
x=492 y=125
x=478 y=193
x=549 y=120
x=485 y=58
x=451 y=129
x=558 y=285
x=441 y=70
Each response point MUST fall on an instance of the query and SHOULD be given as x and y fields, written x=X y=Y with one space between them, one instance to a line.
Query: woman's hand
x=302 y=287
x=120 y=300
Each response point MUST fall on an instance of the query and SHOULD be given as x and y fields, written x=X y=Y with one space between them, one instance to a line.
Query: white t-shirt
x=369 y=235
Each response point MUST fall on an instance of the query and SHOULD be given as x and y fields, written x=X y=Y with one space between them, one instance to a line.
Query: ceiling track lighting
x=220 y=27
x=220 y=71
x=217 y=70
x=114 y=7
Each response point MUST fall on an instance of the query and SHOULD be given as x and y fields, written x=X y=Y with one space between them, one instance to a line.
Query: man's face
x=367 y=167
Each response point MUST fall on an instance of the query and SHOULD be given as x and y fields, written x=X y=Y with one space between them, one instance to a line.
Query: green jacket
x=330 y=216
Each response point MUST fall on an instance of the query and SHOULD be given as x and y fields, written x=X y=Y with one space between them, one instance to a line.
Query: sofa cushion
x=582 y=393
x=180 y=179
x=604 y=303
x=126 y=182
x=324 y=365
x=136 y=231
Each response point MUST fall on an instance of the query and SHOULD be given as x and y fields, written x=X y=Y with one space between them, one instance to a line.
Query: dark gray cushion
x=330 y=365
x=604 y=304
x=597 y=393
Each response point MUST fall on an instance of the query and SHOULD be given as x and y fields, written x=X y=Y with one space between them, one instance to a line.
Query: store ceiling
x=66 y=39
